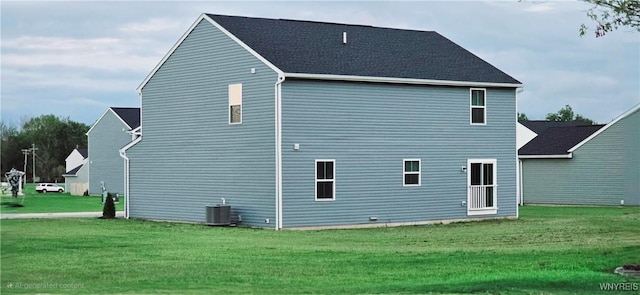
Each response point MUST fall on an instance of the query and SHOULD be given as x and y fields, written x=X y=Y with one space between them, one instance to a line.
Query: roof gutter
x=137 y=131
x=400 y=80
x=567 y=156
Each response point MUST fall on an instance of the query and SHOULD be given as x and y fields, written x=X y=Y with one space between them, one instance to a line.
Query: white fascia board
x=245 y=46
x=399 y=80
x=605 y=127
x=184 y=36
x=105 y=113
x=168 y=54
x=98 y=121
x=121 y=120
x=567 y=156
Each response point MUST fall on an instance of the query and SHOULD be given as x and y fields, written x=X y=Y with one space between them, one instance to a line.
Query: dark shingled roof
x=74 y=170
x=317 y=48
x=539 y=126
x=130 y=115
x=558 y=140
x=84 y=152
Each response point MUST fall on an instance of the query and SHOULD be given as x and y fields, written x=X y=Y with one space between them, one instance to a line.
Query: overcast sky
x=75 y=59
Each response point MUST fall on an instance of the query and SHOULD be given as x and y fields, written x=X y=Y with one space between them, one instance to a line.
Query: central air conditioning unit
x=218 y=215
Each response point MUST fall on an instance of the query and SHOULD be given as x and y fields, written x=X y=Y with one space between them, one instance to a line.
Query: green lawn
x=549 y=250
x=35 y=202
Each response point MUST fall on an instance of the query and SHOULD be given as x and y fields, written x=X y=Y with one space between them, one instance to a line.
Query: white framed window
x=478 y=106
x=411 y=172
x=482 y=186
x=235 y=104
x=325 y=180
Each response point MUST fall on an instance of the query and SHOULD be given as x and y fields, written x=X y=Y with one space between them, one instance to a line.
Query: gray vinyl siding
x=603 y=171
x=190 y=156
x=369 y=128
x=82 y=176
x=106 y=138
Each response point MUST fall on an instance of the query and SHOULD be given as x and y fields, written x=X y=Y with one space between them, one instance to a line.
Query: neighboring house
x=76 y=179
x=583 y=164
x=113 y=130
x=300 y=124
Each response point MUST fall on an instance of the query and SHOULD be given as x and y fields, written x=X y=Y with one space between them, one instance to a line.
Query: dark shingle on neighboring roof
x=74 y=171
x=539 y=126
x=558 y=140
x=130 y=115
x=317 y=48
x=84 y=152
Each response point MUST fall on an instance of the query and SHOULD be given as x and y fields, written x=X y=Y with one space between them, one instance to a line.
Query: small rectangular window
x=235 y=104
x=478 y=106
x=411 y=172
x=325 y=180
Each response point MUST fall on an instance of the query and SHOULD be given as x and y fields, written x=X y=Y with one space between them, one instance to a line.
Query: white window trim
x=232 y=103
x=488 y=210
x=405 y=172
x=471 y=106
x=315 y=187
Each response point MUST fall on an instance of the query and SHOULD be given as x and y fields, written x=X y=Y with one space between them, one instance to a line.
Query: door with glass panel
x=481 y=180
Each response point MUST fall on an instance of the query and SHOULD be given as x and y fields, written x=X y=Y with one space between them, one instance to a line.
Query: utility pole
x=34 y=149
x=26 y=153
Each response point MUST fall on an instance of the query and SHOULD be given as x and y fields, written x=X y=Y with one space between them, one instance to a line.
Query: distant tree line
x=54 y=137
x=565 y=114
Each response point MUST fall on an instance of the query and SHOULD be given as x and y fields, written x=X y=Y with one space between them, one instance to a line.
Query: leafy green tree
x=566 y=114
x=522 y=117
x=54 y=137
x=613 y=14
x=11 y=145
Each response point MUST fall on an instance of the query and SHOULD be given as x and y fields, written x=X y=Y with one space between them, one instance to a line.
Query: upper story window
x=235 y=104
x=411 y=173
x=478 y=103
x=325 y=180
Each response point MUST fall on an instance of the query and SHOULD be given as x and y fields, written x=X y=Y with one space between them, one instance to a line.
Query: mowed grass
x=35 y=202
x=549 y=250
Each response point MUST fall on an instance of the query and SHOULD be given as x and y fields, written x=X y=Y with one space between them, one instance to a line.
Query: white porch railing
x=481 y=197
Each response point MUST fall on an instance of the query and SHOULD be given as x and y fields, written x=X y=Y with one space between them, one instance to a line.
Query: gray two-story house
x=113 y=130
x=300 y=124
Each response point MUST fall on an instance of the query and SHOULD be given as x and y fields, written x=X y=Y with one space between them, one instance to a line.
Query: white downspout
x=136 y=136
x=518 y=162
x=278 y=106
x=123 y=154
x=521 y=184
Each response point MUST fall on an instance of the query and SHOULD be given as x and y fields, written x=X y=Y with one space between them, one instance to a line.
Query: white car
x=49 y=187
